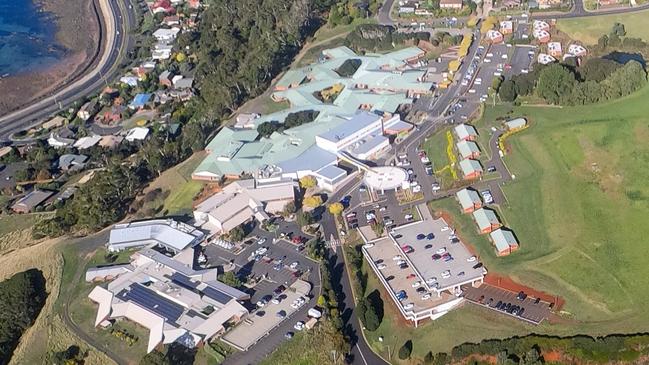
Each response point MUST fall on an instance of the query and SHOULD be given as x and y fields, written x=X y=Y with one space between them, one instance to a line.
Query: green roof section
x=485 y=218
x=468 y=149
x=469 y=166
x=503 y=239
x=469 y=199
x=291 y=78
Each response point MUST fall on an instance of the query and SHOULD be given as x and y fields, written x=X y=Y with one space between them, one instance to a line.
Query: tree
x=312 y=201
x=180 y=57
x=507 y=91
x=237 y=234
x=372 y=320
x=265 y=129
x=597 y=69
x=405 y=350
x=290 y=208
x=495 y=84
x=428 y=359
x=555 y=84
x=304 y=219
x=231 y=279
x=618 y=29
x=22 y=297
x=336 y=208
x=308 y=181
x=154 y=358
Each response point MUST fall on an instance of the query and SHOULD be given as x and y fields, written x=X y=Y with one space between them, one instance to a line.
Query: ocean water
x=27 y=38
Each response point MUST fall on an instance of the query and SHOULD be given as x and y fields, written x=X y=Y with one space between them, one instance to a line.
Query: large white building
x=173 y=301
x=242 y=201
x=172 y=235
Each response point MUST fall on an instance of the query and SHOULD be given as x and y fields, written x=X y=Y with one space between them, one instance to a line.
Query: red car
x=407 y=249
x=297 y=240
x=436 y=257
x=411 y=276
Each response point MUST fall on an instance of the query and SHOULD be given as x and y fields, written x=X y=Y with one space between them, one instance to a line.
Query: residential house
x=543 y=36
x=466 y=132
x=183 y=83
x=71 y=162
x=487 y=220
x=55 y=122
x=194 y=4
x=137 y=134
x=110 y=141
x=241 y=201
x=88 y=109
x=166 y=35
x=541 y=25
x=494 y=36
x=57 y=141
x=408 y=7
x=577 y=50
x=129 y=80
x=30 y=201
x=110 y=115
x=504 y=241
x=468 y=149
x=165 y=78
x=506 y=27
x=161 y=52
x=511 y=3
x=471 y=169
x=140 y=101
x=450 y=4
x=5 y=151
x=547 y=4
x=545 y=59
x=162 y=6
x=87 y=142
x=171 y=20
x=554 y=49
x=469 y=200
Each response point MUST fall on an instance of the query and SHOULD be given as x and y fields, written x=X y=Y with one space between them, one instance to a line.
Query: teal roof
x=503 y=239
x=464 y=131
x=469 y=166
x=468 y=198
x=485 y=218
x=339 y=52
x=291 y=77
x=467 y=148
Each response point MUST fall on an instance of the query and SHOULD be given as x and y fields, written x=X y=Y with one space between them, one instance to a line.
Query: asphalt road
x=124 y=18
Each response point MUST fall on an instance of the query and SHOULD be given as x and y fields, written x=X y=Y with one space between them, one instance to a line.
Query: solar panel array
x=148 y=299
x=183 y=281
x=216 y=294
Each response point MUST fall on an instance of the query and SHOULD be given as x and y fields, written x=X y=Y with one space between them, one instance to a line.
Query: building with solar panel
x=169 y=234
x=172 y=300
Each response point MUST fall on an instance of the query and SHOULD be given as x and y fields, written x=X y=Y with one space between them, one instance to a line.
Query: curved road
x=118 y=20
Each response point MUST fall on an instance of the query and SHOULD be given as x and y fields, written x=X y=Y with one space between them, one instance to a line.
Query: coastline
x=77 y=32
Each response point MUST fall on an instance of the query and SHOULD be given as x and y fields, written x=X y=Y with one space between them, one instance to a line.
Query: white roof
x=87 y=142
x=465 y=131
x=169 y=233
x=137 y=134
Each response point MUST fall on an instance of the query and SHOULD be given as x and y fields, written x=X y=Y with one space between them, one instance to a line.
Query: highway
x=118 y=20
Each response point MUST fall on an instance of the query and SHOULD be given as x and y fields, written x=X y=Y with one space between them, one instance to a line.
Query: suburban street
x=115 y=41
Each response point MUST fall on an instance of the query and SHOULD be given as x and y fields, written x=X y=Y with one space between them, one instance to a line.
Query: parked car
x=430 y=236
x=381 y=266
x=408 y=306
x=299 y=326
x=421 y=236
x=288 y=335
x=487 y=197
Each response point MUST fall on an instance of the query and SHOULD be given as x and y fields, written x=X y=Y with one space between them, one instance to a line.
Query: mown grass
x=589 y=29
x=579 y=207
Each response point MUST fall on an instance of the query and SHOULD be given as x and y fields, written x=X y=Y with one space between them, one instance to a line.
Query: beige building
x=242 y=201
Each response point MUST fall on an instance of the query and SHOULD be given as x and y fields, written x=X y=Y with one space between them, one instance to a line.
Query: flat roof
x=421 y=257
x=385 y=177
x=356 y=123
x=169 y=233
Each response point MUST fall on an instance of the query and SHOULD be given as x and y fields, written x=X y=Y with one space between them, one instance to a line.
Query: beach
x=77 y=33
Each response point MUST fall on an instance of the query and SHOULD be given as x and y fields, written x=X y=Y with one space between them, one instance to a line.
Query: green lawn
x=589 y=29
x=435 y=147
x=579 y=207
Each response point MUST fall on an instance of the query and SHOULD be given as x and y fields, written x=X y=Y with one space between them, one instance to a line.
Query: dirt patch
x=600 y=167
x=509 y=284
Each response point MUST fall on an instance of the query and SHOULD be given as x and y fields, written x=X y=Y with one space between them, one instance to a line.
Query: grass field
x=589 y=29
x=579 y=207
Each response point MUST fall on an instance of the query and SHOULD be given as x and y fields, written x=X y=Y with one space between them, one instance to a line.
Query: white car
x=275 y=301
x=471 y=259
x=436 y=187
x=497 y=74
x=261 y=241
x=472 y=91
x=440 y=250
x=465 y=82
x=416 y=284
x=431 y=281
x=446 y=274
x=486 y=195
x=416 y=189
x=261 y=303
x=487 y=60
x=293 y=265
x=408 y=306
x=425 y=296
x=408 y=217
x=368 y=245
x=381 y=266
x=401 y=262
x=445 y=228
x=299 y=326
x=478 y=81
x=397 y=258
x=262 y=251
x=504 y=57
x=490 y=55
x=294 y=305
x=524 y=71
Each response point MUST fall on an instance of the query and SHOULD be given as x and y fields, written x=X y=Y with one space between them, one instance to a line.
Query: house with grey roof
x=471 y=169
x=465 y=132
x=516 y=124
x=504 y=241
x=486 y=219
x=71 y=162
x=469 y=200
x=468 y=149
x=30 y=201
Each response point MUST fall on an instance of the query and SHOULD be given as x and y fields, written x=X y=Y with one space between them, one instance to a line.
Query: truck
x=310 y=323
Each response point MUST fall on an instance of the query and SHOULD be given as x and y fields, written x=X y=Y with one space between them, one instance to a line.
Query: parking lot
x=534 y=310
x=264 y=319
x=400 y=278
x=440 y=259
